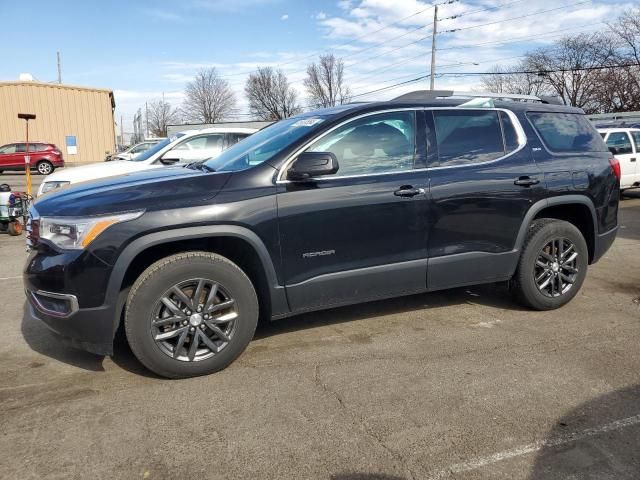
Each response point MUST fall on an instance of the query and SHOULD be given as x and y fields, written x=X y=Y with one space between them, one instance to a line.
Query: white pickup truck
x=624 y=143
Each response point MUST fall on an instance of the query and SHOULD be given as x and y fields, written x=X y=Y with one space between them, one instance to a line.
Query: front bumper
x=67 y=292
x=89 y=329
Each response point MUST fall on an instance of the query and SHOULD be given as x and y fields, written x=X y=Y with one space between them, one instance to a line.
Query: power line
x=451 y=65
x=464 y=14
x=541 y=72
x=461 y=74
x=516 y=18
x=516 y=39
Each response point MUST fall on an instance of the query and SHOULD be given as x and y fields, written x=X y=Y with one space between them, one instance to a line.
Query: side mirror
x=169 y=158
x=312 y=164
x=613 y=150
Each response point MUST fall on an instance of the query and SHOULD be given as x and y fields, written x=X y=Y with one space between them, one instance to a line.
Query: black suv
x=332 y=207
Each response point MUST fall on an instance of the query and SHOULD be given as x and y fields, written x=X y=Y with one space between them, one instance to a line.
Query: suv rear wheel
x=190 y=314
x=44 y=167
x=552 y=266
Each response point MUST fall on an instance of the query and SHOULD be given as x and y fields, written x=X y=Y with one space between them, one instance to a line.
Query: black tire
x=45 y=167
x=157 y=280
x=541 y=233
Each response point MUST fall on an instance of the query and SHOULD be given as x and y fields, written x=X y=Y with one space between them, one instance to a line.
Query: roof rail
x=435 y=94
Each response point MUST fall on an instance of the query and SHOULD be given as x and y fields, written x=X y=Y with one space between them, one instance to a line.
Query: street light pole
x=27 y=158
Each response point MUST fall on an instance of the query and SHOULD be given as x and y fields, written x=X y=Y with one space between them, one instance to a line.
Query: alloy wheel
x=194 y=320
x=556 y=268
x=44 y=168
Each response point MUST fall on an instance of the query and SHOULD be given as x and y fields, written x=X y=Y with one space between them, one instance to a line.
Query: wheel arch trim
x=552 y=202
x=145 y=242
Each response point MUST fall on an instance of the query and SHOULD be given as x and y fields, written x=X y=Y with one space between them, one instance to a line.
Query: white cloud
x=321 y=16
x=284 y=17
x=375 y=53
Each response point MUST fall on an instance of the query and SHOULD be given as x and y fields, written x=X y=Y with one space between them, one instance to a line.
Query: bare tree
x=270 y=95
x=325 y=82
x=509 y=80
x=618 y=89
x=160 y=114
x=208 y=98
x=627 y=28
x=570 y=67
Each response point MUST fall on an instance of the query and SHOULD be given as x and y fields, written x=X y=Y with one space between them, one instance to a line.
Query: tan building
x=65 y=115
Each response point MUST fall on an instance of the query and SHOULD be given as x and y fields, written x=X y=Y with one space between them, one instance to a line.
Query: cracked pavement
x=458 y=384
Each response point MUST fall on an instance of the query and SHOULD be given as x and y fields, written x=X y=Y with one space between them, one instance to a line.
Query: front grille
x=33 y=228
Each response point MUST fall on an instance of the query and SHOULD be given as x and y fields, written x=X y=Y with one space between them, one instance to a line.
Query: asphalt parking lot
x=461 y=384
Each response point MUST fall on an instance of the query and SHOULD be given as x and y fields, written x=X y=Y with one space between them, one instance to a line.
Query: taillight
x=615 y=166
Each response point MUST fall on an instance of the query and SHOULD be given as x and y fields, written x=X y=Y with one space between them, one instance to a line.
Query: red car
x=45 y=157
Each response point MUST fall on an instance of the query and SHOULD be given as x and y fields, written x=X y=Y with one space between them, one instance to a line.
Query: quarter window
x=466 y=137
x=621 y=142
x=566 y=132
x=374 y=144
x=636 y=139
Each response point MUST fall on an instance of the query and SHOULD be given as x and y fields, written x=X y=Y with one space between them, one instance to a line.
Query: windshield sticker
x=307 y=122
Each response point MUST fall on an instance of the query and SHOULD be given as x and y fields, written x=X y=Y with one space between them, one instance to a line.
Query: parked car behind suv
x=624 y=143
x=133 y=150
x=181 y=148
x=45 y=157
x=333 y=207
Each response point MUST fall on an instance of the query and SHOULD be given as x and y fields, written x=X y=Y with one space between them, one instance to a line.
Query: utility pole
x=121 y=131
x=59 y=68
x=146 y=118
x=27 y=158
x=433 y=47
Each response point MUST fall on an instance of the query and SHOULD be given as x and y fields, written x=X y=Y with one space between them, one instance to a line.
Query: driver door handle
x=408 y=191
x=526 y=181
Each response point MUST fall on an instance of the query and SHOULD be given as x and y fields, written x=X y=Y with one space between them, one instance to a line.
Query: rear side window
x=621 y=142
x=636 y=139
x=466 y=137
x=566 y=132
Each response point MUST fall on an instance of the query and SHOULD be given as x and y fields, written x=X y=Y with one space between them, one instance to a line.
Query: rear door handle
x=408 y=191
x=526 y=181
x=632 y=159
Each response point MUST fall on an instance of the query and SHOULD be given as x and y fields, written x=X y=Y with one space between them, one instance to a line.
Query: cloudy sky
x=142 y=49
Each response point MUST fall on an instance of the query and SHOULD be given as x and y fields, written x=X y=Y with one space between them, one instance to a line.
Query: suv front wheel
x=190 y=314
x=552 y=266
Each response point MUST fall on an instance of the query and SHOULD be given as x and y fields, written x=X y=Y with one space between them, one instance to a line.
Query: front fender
x=113 y=297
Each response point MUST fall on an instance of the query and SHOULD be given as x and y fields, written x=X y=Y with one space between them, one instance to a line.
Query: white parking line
x=11 y=278
x=480 y=462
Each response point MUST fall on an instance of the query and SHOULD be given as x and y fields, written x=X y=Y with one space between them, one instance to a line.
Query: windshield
x=263 y=145
x=147 y=154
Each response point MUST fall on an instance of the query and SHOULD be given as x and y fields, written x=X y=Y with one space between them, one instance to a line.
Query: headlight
x=48 y=186
x=78 y=232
